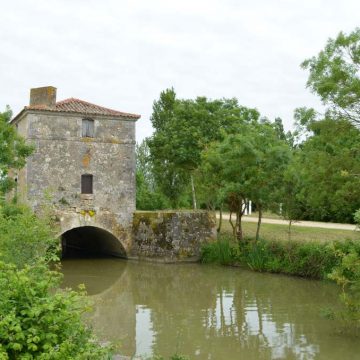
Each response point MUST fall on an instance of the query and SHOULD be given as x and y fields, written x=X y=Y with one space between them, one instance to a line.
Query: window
x=86 y=184
x=87 y=128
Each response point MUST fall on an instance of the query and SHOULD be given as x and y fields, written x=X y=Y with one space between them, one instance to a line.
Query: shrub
x=220 y=252
x=39 y=321
x=307 y=259
x=24 y=238
x=347 y=275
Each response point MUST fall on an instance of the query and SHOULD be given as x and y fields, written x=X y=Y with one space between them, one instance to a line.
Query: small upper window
x=86 y=184
x=87 y=128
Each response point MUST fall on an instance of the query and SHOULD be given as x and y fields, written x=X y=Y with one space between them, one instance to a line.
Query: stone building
x=84 y=165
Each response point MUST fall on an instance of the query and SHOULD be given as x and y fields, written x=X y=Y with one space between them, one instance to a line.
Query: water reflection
x=209 y=312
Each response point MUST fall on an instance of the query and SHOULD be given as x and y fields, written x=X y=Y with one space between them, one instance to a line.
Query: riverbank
x=313 y=260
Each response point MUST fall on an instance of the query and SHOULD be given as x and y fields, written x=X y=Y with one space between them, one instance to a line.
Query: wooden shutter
x=88 y=128
x=86 y=184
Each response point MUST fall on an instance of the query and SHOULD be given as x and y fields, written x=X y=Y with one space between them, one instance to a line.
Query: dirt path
x=313 y=224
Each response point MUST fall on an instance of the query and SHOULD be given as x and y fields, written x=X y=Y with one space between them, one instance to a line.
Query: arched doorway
x=90 y=241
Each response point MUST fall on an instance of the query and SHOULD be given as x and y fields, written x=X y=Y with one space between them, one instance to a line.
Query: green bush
x=307 y=259
x=39 y=321
x=25 y=238
x=347 y=275
x=220 y=252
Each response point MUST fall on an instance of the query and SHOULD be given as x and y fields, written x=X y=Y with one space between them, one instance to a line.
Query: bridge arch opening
x=90 y=241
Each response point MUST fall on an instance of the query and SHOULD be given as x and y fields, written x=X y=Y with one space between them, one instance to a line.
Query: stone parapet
x=171 y=236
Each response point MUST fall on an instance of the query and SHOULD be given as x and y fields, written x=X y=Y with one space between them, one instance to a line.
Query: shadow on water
x=209 y=312
x=87 y=271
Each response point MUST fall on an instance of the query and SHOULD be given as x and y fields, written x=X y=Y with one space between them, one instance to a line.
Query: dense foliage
x=25 y=238
x=13 y=151
x=347 y=275
x=183 y=129
x=335 y=77
x=248 y=165
x=39 y=321
x=328 y=165
x=306 y=259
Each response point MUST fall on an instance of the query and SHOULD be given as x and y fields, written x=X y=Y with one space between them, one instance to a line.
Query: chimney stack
x=43 y=96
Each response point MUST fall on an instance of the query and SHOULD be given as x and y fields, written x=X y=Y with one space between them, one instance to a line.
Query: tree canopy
x=335 y=75
x=183 y=129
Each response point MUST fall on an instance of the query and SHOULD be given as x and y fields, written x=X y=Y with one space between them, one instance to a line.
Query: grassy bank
x=307 y=259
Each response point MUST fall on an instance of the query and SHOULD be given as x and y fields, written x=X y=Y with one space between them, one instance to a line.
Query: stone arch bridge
x=168 y=236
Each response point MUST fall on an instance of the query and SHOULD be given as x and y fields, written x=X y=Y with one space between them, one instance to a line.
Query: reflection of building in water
x=114 y=317
x=108 y=285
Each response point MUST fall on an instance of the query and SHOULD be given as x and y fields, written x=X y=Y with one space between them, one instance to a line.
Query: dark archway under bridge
x=90 y=241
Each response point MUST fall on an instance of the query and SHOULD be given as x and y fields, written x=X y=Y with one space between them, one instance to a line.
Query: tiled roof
x=73 y=105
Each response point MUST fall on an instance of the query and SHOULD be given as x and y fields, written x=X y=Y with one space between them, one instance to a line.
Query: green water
x=208 y=312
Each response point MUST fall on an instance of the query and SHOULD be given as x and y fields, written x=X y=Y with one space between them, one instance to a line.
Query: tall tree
x=329 y=167
x=171 y=180
x=335 y=75
x=183 y=129
x=272 y=156
x=248 y=165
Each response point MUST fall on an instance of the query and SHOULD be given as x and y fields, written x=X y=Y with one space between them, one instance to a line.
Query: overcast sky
x=122 y=54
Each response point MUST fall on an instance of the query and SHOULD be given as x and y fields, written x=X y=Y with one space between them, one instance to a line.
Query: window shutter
x=90 y=132
x=84 y=128
x=88 y=128
x=86 y=184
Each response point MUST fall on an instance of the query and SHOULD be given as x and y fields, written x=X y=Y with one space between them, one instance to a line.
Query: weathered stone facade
x=172 y=236
x=62 y=155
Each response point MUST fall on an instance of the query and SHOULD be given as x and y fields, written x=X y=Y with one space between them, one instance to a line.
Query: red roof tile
x=73 y=105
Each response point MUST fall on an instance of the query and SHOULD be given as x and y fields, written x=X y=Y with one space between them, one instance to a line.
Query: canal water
x=209 y=312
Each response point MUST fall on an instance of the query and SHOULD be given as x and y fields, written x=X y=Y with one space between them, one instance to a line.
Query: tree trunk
x=259 y=223
x=193 y=192
x=289 y=229
x=233 y=226
x=239 y=232
x=220 y=221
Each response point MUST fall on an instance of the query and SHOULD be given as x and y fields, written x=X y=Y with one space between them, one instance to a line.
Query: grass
x=311 y=259
x=272 y=232
x=220 y=252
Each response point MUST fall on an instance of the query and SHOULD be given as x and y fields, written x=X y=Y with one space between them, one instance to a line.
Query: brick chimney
x=43 y=96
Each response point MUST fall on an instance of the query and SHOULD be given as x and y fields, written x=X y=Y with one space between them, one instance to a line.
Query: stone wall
x=62 y=155
x=171 y=236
